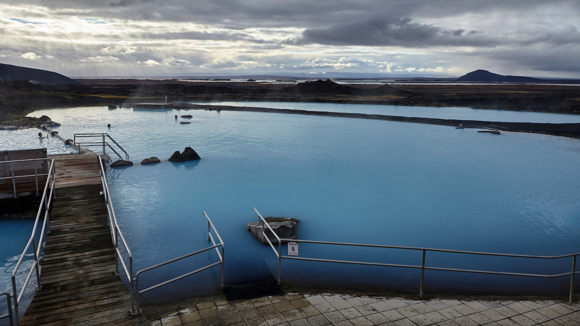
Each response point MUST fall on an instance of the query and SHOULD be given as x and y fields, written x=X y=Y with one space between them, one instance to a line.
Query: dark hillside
x=485 y=76
x=37 y=76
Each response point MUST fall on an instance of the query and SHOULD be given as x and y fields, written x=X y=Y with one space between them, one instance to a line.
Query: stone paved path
x=349 y=310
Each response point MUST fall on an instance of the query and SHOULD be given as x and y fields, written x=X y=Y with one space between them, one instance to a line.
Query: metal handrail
x=9 y=306
x=104 y=144
x=14 y=177
x=116 y=233
x=423 y=267
x=215 y=246
x=47 y=201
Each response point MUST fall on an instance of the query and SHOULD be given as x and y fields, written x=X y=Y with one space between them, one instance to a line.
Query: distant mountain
x=484 y=76
x=43 y=77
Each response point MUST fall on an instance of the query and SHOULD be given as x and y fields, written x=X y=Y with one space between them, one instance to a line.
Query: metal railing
x=45 y=204
x=134 y=281
x=103 y=144
x=9 y=306
x=116 y=233
x=423 y=266
x=35 y=175
x=215 y=246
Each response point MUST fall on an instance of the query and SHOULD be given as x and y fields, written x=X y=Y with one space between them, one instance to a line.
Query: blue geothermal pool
x=362 y=181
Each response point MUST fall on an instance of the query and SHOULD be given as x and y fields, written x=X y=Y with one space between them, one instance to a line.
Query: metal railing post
x=572 y=280
x=422 y=274
x=208 y=232
x=137 y=295
x=116 y=250
x=132 y=290
x=9 y=306
x=39 y=286
x=15 y=296
x=279 y=261
x=13 y=180
x=36 y=177
x=103 y=143
x=223 y=262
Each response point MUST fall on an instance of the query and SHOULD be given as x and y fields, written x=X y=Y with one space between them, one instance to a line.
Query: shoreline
x=571 y=130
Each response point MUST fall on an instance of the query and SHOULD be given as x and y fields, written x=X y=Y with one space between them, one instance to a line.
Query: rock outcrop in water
x=150 y=160
x=188 y=155
x=284 y=227
x=120 y=163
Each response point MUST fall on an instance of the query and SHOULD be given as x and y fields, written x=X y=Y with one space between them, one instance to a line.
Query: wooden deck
x=79 y=286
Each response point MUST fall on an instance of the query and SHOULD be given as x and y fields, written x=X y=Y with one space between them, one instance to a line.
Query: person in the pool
x=40 y=135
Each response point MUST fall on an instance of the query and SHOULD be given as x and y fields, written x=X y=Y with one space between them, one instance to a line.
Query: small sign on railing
x=292 y=248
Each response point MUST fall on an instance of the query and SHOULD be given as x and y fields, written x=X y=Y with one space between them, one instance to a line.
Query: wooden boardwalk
x=79 y=286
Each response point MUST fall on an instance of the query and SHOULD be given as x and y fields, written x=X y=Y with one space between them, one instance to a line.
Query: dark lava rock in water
x=284 y=227
x=150 y=160
x=120 y=163
x=188 y=155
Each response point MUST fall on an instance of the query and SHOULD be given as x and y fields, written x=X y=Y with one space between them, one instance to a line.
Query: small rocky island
x=188 y=154
x=284 y=227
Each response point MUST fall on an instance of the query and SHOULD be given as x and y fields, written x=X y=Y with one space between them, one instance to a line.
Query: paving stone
x=384 y=306
x=408 y=311
x=356 y=301
x=156 y=323
x=447 y=323
x=504 y=310
x=334 y=316
x=250 y=313
x=324 y=308
x=435 y=316
x=532 y=304
x=523 y=320
x=221 y=302
x=464 y=321
x=259 y=302
x=477 y=306
x=479 y=318
x=208 y=313
x=450 y=313
x=395 y=303
x=506 y=322
x=257 y=322
x=213 y=321
x=518 y=307
x=316 y=299
x=493 y=314
x=239 y=324
x=309 y=311
x=277 y=298
x=195 y=323
x=318 y=320
x=491 y=304
x=551 y=323
x=243 y=305
x=378 y=318
x=536 y=316
x=284 y=306
x=232 y=318
x=393 y=315
x=332 y=297
x=291 y=296
x=274 y=319
x=300 y=303
x=450 y=302
x=562 y=309
x=343 y=323
x=404 y=322
x=463 y=309
x=267 y=310
x=340 y=304
x=436 y=304
x=171 y=320
x=366 y=310
x=188 y=316
x=421 y=320
x=205 y=305
x=291 y=315
x=422 y=307
x=226 y=309
x=299 y=322
x=566 y=321
x=350 y=313
x=370 y=300
x=361 y=321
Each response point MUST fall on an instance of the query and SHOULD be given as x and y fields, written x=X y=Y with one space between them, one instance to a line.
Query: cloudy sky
x=288 y=37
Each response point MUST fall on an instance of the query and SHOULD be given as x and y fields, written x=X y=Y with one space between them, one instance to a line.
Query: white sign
x=292 y=248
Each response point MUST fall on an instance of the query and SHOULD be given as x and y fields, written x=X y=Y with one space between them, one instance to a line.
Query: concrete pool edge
x=571 y=130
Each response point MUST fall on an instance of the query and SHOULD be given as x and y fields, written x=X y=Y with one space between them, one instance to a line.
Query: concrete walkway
x=353 y=310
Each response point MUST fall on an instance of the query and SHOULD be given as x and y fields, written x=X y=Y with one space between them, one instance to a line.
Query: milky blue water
x=416 y=111
x=351 y=180
x=28 y=139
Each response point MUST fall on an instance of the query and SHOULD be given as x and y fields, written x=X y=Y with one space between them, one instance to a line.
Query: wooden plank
x=78 y=281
